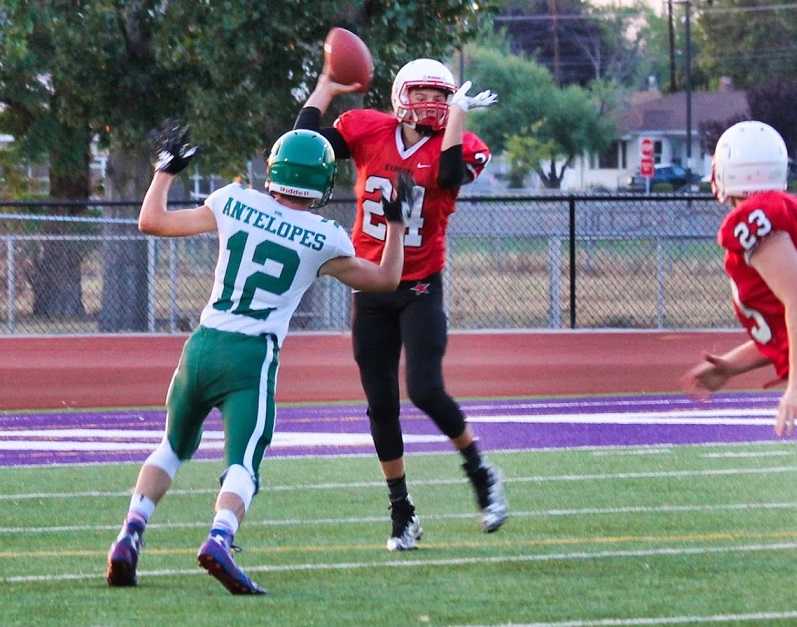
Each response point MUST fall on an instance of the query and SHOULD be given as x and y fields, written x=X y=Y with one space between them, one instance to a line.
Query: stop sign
x=646 y=148
x=646 y=156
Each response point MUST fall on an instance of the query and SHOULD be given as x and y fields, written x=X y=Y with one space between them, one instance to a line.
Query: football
x=348 y=59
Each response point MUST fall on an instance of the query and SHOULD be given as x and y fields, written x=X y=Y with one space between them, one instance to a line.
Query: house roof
x=668 y=112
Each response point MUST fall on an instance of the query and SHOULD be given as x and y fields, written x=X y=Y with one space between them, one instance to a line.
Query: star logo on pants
x=420 y=288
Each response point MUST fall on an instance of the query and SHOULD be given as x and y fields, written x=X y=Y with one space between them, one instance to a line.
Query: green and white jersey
x=269 y=255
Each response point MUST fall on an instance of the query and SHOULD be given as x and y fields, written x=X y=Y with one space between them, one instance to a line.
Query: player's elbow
x=152 y=225
x=147 y=225
x=387 y=282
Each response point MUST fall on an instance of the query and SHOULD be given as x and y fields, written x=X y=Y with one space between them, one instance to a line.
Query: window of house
x=657 y=149
x=608 y=159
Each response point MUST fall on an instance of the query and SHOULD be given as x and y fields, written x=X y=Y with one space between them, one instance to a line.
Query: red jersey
x=377 y=149
x=757 y=308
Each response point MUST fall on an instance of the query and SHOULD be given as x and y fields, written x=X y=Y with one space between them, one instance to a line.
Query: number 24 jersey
x=377 y=149
x=758 y=309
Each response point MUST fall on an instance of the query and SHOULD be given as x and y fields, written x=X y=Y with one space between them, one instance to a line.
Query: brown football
x=348 y=59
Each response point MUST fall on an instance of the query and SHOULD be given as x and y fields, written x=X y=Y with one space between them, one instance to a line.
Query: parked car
x=675 y=175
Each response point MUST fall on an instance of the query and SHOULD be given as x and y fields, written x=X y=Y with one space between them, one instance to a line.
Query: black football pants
x=412 y=317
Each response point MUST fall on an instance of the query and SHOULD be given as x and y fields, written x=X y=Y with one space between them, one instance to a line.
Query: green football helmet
x=302 y=164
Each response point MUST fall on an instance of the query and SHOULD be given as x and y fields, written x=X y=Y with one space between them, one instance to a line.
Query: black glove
x=173 y=148
x=398 y=208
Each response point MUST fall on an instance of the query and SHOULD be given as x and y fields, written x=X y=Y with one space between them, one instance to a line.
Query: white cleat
x=406 y=526
x=488 y=484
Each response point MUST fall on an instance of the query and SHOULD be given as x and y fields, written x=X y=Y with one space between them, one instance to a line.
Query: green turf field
x=594 y=535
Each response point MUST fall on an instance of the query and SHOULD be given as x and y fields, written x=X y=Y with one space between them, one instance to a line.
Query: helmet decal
x=302 y=164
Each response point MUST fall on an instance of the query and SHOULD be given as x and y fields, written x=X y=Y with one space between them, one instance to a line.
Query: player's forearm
x=744 y=358
x=392 y=262
x=322 y=96
x=455 y=128
x=791 y=331
x=153 y=213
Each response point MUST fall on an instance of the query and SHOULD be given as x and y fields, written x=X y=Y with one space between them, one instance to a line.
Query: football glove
x=461 y=99
x=173 y=148
x=398 y=208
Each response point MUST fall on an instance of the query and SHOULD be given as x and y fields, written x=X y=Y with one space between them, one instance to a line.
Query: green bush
x=662 y=188
x=705 y=187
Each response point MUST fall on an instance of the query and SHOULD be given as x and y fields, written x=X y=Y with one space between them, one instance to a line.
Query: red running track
x=134 y=371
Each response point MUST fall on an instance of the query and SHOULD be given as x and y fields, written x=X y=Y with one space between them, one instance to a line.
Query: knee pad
x=236 y=479
x=164 y=458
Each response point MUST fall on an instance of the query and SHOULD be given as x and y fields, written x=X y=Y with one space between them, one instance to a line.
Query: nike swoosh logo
x=424 y=165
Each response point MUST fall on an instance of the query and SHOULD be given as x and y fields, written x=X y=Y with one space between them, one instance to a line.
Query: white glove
x=461 y=99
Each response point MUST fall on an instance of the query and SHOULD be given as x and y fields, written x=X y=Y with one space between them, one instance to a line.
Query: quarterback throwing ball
x=424 y=137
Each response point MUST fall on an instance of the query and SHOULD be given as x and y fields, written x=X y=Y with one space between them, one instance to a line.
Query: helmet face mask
x=302 y=164
x=750 y=157
x=422 y=74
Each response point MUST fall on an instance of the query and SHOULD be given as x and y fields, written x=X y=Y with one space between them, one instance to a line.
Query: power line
x=756 y=9
x=631 y=13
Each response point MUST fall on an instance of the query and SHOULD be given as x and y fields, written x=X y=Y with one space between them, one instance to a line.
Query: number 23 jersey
x=756 y=306
x=377 y=149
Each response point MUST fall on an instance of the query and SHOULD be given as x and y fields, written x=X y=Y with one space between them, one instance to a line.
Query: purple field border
x=351 y=418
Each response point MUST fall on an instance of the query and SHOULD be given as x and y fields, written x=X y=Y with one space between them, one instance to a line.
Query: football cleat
x=123 y=558
x=215 y=556
x=488 y=486
x=406 y=526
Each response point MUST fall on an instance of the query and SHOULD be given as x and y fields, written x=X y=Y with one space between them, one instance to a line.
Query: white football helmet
x=417 y=74
x=750 y=157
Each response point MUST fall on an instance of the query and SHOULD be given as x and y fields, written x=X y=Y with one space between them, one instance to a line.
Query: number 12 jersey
x=269 y=254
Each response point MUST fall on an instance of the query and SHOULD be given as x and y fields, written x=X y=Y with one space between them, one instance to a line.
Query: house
x=662 y=117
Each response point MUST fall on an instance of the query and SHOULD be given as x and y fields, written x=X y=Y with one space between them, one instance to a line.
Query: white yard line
x=542 y=513
x=751 y=454
x=662 y=620
x=211 y=440
x=619 y=476
x=641 y=402
x=630 y=451
x=411 y=562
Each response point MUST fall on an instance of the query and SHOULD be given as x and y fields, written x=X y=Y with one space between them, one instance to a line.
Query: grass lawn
x=594 y=535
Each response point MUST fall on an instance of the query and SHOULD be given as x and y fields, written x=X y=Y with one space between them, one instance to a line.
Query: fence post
x=172 y=285
x=151 y=284
x=11 y=286
x=660 y=277
x=572 y=255
x=554 y=282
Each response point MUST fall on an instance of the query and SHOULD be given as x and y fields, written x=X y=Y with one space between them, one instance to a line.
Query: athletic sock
x=397 y=488
x=473 y=459
x=142 y=506
x=225 y=522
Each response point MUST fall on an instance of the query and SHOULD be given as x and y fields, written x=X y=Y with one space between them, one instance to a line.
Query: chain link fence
x=552 y=262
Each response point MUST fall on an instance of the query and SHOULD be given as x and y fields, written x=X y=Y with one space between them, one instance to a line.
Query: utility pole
x=672 y=46
x=688 y=76
x=554 y=13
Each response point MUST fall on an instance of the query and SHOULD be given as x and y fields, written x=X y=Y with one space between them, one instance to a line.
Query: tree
x=541 y=127
x=748 y=43
x=36 y=110
x=579 y=42
x=773 y=102
x=236 y=71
